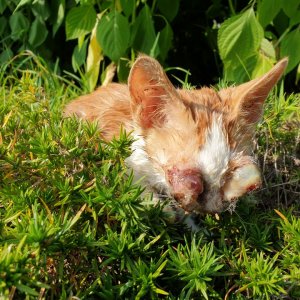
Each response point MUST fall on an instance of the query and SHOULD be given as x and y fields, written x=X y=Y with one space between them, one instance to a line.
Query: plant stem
x=282 y=37
x=231 y=6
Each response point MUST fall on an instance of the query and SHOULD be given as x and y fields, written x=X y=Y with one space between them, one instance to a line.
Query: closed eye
x=244 y=179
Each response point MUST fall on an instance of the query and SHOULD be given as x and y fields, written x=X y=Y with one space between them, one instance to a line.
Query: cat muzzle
x=186 y=186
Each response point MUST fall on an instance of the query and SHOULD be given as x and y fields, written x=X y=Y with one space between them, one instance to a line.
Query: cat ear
x=246 y=100
x=150 y=90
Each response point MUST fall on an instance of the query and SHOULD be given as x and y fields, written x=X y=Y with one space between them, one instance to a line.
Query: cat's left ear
x=246 y=100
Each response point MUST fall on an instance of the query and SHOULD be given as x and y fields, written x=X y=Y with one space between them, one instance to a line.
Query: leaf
x=113 y=35
x=267 y=11
x=268 y=48
x=159 y=269
x=282 y=216
x=26 y=289
x=160 y=291
x=80 y=21
x=21 y=3
x=19 y=25
x=263 y=65
x=165 y=41
x=123 y=70
x=94 y=58
x=41 y=9
x=239 y=36
x=297 y=75
x=3 y=5
x=240 y=70
x=77 y=216
x=291 y=7
x=3 y=24
x=128 y=6
x=155 y=48
x=290 y=46
x=58 y=13
x=169 y=8
x=38 y=33
x=79 y=55
x=108 y=74
x=6 y=55
x=143 y=32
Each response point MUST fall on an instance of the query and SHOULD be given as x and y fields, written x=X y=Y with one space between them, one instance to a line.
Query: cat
x=193 y=146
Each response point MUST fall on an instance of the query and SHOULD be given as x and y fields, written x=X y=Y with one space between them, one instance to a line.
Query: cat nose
x=186 y=186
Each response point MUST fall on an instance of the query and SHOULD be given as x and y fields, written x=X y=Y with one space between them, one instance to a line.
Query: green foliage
x=80 y=21
x=91 y=36
x=248 y=42
x=196 y=266
x=116 y=30
x=73 y=223
x=113 y=34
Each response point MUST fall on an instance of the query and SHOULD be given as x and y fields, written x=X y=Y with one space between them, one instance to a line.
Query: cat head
x=198 y=142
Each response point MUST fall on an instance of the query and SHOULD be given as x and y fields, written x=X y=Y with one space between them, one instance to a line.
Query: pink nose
x=186 y=186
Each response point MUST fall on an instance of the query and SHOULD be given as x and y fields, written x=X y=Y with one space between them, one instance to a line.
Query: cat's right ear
x=150 y=90
x=247 y=100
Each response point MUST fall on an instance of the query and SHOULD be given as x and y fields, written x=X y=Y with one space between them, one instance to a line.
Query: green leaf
x=290 y=46
x=113 y=35
x=21 y=3
x=143 y=32
x=26 y=289
x=165 y=41
x=6 y=55
x=123 y=70
x=160 y=291
x=128 y=7
x=79 y=55
x=169 y=8
x=3 y=24
x=290 y=7
x=38 y=33
x=240 y=70
x=41 y=9
x=159 y=269
x=3 y=5
x=239 y=36
x=268 y=48
x=267 y=11
x=19 y=25
x=155 y=48
x=263 y=65
x=80 y=21
x=60 y=6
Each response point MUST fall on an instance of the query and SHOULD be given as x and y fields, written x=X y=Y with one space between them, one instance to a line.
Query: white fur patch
x=215 y=154
x=143 y=168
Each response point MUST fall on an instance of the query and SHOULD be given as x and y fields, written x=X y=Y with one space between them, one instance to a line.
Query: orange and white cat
x=193 y=146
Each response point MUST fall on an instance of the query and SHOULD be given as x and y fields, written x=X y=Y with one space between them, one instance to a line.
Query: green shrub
x=250 y=42
x=102 y=28
x=73 y=224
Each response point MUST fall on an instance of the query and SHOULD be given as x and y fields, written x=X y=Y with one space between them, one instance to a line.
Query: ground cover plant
x=73 y=225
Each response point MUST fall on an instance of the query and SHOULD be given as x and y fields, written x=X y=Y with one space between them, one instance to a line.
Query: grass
x=74 y=226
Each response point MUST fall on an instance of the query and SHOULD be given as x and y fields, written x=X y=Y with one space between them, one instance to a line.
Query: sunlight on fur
x=193 y=146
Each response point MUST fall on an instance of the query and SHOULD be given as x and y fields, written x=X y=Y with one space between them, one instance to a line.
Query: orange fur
x=191 y=144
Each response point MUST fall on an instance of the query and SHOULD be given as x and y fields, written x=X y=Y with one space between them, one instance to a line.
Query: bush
x=250 y=42
x=97 y=38
x=114 y=29
x=73 y=224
